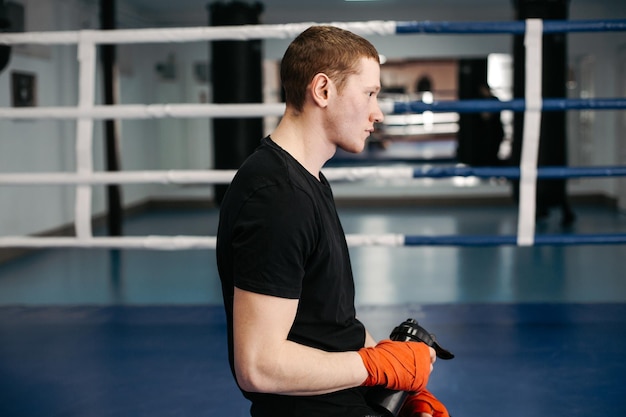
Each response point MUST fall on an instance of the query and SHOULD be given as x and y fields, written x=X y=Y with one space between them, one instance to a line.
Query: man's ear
x=320 y=89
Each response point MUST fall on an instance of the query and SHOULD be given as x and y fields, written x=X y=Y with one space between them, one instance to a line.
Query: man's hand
x=423 y=404
x=400 y=366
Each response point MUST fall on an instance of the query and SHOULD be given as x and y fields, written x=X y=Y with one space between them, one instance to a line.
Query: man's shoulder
x=270 y=165
x=265 y=166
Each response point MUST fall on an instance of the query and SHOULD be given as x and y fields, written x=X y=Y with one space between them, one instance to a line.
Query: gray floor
x=384 y=275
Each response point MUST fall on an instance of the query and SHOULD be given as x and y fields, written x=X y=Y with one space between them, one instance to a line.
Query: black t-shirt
x=280 y=235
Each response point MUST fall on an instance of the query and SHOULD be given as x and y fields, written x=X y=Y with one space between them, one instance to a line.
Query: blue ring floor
x=513 y=360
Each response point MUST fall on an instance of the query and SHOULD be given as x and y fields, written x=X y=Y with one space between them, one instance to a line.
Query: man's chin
x=355 y=148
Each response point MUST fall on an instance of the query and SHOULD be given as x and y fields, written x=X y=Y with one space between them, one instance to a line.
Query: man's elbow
x=252 y=378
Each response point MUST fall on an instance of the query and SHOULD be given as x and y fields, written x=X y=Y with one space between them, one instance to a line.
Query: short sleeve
x=273 y=236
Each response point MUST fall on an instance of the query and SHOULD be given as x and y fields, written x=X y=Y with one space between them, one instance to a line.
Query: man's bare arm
x=265 y=361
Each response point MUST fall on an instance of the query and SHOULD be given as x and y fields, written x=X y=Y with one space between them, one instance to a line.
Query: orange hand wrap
x=400 y=366
x=423 y=402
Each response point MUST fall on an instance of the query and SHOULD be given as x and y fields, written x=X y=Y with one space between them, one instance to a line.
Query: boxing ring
x=513 y=359
x=87 y=111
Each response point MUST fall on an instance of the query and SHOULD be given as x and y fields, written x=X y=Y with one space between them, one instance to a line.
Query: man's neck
x=305 y=141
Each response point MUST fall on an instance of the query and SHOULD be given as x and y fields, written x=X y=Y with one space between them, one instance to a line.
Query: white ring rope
x=168 y=242
x=148 y=111
x=212 y=33
x=121 y=177
x=128 y=242
x=188 y=176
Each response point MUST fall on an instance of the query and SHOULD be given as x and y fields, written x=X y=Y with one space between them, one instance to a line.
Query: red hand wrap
x=423 y=402
x=401 y=366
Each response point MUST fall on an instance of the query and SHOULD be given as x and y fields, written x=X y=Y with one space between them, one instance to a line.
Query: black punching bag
x=553 y=139
x=236 y=77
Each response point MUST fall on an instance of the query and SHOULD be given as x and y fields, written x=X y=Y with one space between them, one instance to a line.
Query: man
x=296 y=348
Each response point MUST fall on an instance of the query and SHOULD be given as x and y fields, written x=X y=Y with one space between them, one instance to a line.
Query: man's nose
x=378 y=115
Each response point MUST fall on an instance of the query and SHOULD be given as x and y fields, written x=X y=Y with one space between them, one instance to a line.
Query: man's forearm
x=294 y=369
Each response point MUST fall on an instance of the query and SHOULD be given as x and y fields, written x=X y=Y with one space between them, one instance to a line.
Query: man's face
x=353 y=111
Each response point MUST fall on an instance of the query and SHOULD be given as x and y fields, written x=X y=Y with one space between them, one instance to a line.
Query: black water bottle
x=389 y=402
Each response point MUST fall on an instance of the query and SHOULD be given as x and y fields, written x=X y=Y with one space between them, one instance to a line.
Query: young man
x=295 y=345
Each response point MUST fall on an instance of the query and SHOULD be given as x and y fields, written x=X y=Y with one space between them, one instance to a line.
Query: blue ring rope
x=543 y=172
x=516 y=105
x=514 y=27
x=539 y=240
